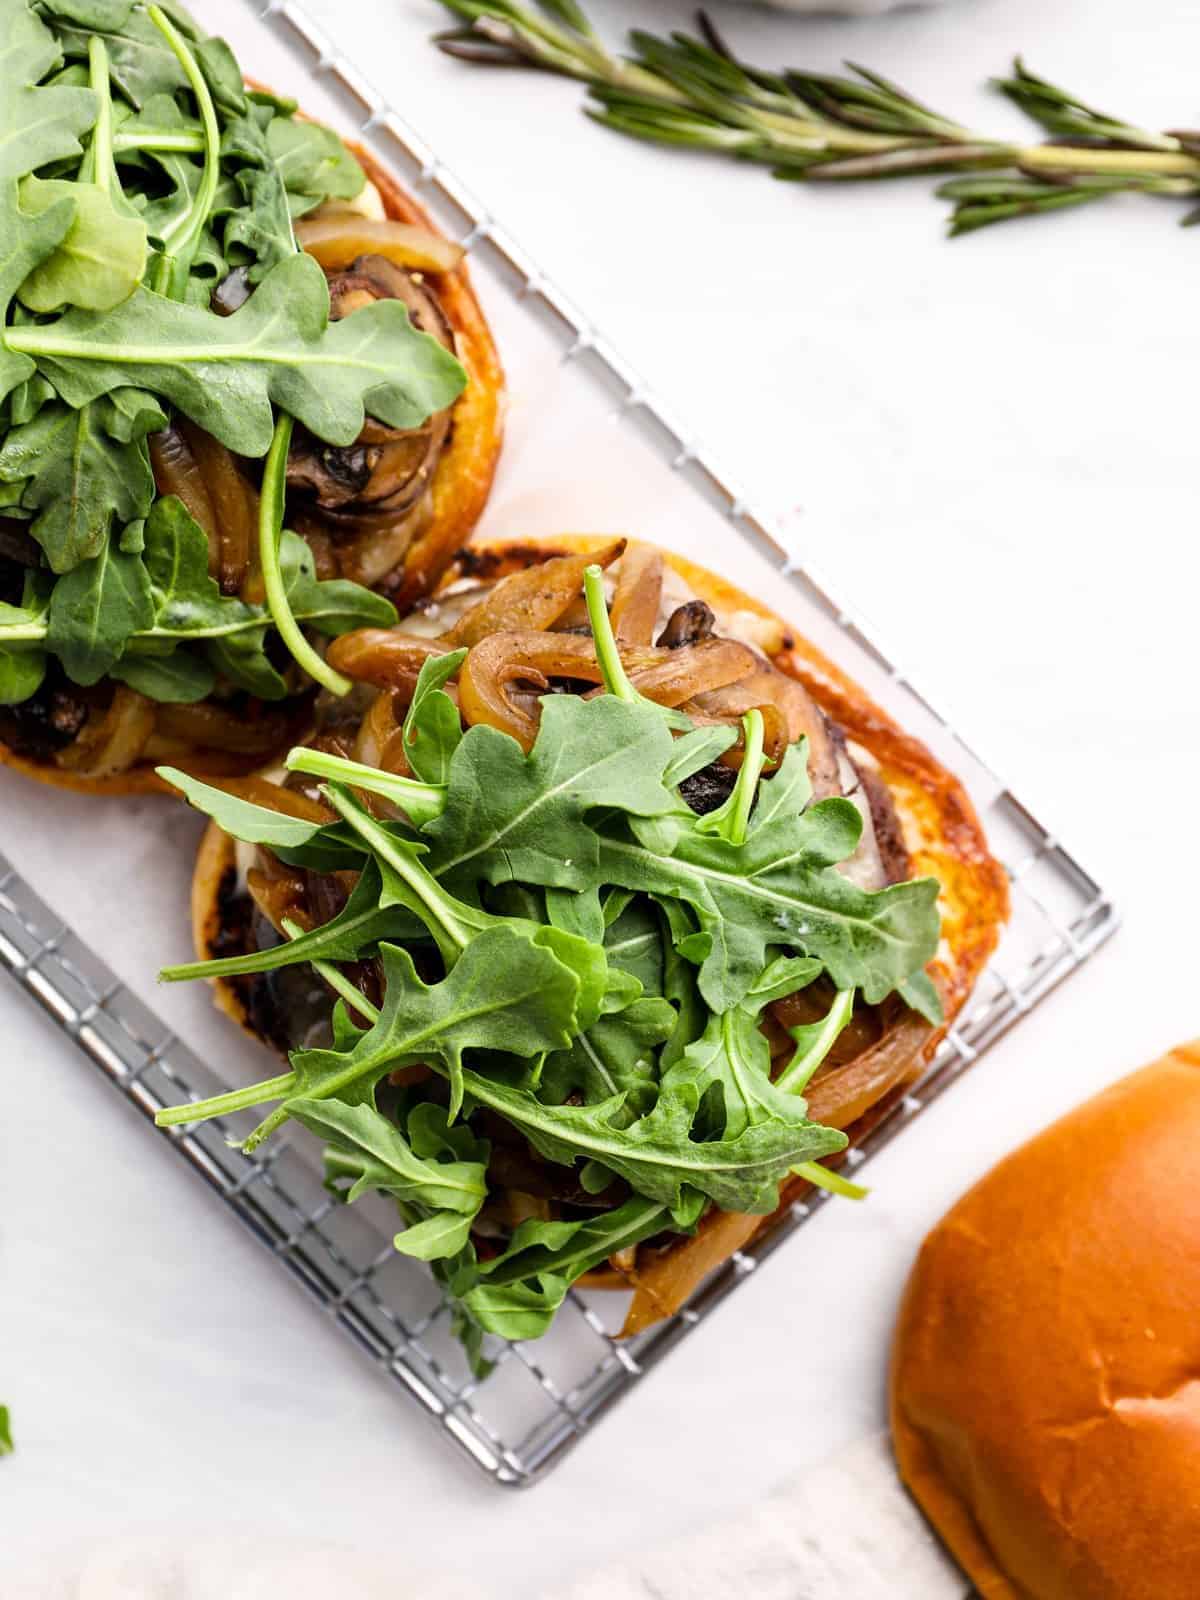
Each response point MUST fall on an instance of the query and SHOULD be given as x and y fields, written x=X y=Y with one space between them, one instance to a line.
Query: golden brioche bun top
x=1045 y=1386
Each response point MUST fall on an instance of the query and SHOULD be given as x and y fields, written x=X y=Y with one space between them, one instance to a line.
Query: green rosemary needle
x=812 y=126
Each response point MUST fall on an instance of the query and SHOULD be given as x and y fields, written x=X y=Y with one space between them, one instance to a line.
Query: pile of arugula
x=136 y=172
x=602 y=959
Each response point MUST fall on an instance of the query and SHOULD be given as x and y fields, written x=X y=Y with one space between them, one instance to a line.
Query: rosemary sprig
x=807 y=126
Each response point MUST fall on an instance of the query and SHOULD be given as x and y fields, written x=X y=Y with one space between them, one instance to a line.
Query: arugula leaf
x=443 y=1234
x=6 y=1438
x=356 y=930
x=242 y=819
x=95 y=609
x=417 y=800
x=37 y=125
x=381 y=1158
x=24 y=242
x=696 y=750
x=100 y=260
x=128 y=414
x=679 y=984
x=618 y=1055
x=330 y=605
x=732 y=1056
x=105 y=16
x=312 y=160
x=222 y=74
x=521 y=1289
x=657 y=1154
x=780 y=887
x=505 y=993
x=453 y=924
x=920 y=992
x=77 y=478
x=634 y=944
x=21 y=674
x=512 y=815
x=260 y=224
x=432 y=726
x=179 y=679
x=278 y=347
x=141 y=62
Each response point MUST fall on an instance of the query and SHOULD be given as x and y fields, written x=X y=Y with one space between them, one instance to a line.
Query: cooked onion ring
x=235 y=508
x=177 y=472
x=638 y=595
x=766 y=685
x=214 y=728
x=502 y=660
x=382 y=656
x=336 y=239
x=533 y=598
x=111 y=741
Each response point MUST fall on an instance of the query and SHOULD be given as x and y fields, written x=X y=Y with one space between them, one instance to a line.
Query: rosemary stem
x=1073 y=158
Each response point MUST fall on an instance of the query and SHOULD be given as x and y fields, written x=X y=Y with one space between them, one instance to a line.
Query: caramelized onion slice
x=533 y=598
x=765 y=685
x=280 y=894
x=381 y=546
x=638 y=595
x=692 y=670
x=111 y=741
x=376 y=731
x=214 y=728
x=338 y=240
x=490 y=678
x=382 y=656
x=840 y=1097
x=234 y=504
x=176 y=471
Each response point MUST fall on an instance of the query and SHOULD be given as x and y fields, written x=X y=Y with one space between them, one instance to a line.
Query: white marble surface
x=991 y=445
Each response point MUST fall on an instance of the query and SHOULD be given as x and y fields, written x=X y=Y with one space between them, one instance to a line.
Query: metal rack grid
x=541 y=1398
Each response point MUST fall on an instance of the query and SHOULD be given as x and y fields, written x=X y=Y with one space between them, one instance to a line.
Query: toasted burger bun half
x=121 y=736
x=1045 y=1388
x=879 y=1055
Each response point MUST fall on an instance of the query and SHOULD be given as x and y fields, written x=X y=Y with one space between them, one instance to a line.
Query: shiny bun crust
x=1045 y=1387
x=461 y=482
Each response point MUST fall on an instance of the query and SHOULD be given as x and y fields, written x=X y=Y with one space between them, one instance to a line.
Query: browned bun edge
x=463 y=479
x=216 y=858
x=1045 y=1380
x=461 y=483
x=944 y=839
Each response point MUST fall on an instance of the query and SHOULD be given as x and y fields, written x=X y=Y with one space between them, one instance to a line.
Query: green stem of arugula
x=98 y=161
x=823 y=1178
x=164 y=140
x=451 y=935
x=795 y=1077
x=336 y=980
x=746 y=787
x=224 y=1105
x=421 y=801
x=184 y=237
x=270 y=529
x=612 y=670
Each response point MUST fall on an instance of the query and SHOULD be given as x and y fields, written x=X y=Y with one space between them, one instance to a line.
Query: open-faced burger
x=248 y=400
x=635 y=910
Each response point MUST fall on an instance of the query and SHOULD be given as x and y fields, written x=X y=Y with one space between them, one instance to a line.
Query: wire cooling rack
x=541 y=1398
